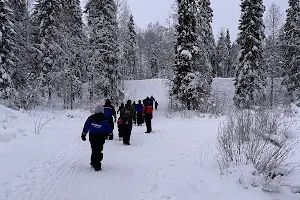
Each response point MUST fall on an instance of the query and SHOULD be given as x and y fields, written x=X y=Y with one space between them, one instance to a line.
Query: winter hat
x=99 y=109
x=107 y=102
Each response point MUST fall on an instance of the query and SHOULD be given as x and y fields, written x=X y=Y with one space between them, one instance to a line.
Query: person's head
x=99 y=109
x=140 y=101
x=128 y=102
x=122 y=104
x=108 y=102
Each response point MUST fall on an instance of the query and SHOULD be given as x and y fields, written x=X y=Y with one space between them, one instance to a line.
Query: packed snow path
x=175 y=162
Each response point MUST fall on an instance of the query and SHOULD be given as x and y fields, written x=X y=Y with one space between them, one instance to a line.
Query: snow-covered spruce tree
x=291 y=53
x=205 y=54
x=130 y=49
x=104 y=76
x=230 y=65
x=249 y=81
x=20 y=75
x=7 y=58
x=233 y=58
x=186 y=48
x=222 y=56
x=46 y=16
x=123 y=16
x=228 y=40
x=272 y=49
x=73 y=43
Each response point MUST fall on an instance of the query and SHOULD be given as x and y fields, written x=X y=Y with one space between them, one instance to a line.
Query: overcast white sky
x=226 y=12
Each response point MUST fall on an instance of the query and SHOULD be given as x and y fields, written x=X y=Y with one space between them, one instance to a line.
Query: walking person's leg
x=147 y=124
x=93 y=149
x=112 y=125
x=150 y=124
x=125 y=134
x=98 y=152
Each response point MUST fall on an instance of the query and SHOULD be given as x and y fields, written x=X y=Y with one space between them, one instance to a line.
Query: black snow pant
x=120 y=130
x=112 y=126
x=97 y=141
x=140 y=119
x=127 y=128
x=148 y=119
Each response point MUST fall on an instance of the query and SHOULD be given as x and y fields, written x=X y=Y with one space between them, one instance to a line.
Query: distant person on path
x=133 y=107
x=97 y=125
x=110 y=113
x=127 y=116
x=146 y=101
x=152 y=100
x=156 y=105
x=139 y=113
x=120 y=108
x=148 y=115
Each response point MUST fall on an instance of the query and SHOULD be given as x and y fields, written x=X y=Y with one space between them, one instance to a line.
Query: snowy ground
x=175 y=162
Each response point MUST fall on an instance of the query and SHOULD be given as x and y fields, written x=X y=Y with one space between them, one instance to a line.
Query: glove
x=83 y=137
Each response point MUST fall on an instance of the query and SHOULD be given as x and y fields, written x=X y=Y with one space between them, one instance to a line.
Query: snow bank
x=11 y=124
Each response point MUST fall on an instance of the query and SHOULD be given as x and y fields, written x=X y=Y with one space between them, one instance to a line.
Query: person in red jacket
x=147 y=113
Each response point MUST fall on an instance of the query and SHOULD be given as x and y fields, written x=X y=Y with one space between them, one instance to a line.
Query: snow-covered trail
x=174 y=162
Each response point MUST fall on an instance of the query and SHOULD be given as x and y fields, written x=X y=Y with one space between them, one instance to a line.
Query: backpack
x=126 y=113
x=149 y=110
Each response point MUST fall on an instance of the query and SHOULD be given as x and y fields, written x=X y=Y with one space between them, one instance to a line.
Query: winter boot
x=98 y=167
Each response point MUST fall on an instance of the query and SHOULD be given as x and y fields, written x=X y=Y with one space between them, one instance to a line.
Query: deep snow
x=175 y=162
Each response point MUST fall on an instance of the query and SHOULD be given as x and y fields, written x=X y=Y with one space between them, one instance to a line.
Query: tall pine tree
x=249 y=81
x=291 y=52
x=230 y=65
x=130 y=49
x=7 y=58
x=22 y=27
x=73 y=44
x=46 y=15
x=103 y=69
x=205 y=47
x=186 y=48
x=222 y=55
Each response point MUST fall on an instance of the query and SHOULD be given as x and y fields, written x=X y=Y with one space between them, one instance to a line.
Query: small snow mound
x=7 y=136
x=10 y=122
x=295 y=189
x=186 y=53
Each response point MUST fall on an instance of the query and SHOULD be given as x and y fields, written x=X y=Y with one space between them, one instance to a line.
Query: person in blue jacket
x=110 y=113
x=152 y=100
x=139 y=113
x=97 y=125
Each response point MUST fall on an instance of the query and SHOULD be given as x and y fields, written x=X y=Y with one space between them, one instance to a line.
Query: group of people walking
x=100 y=125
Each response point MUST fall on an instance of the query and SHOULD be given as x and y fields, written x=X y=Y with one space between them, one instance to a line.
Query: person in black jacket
x=97 y=125
x=127 y=116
